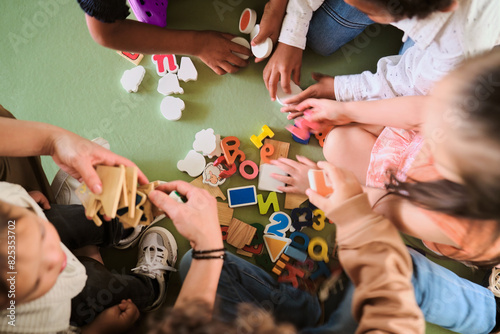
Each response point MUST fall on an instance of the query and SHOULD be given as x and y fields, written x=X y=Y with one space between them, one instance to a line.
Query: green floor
x=52 y=71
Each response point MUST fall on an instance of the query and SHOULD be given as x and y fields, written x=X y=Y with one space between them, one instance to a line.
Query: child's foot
x=157 y=256
x=297 y=181
x=132 y=239
x=150 y=12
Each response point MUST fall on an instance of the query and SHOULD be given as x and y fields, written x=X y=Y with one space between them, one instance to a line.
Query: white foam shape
x=243 y=42
x=282 y=96
x=193 y=164
x=187 y=71
x=211 y=175
x=218 y=149
x=255 y=31
x=263 y=50
x=131 y=79
x=266 y=182
x=172 y=107
x=205 y=141
x=169 y=85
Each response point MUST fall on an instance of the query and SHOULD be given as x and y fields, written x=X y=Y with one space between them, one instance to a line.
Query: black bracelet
x=209 y=257
x=195 y=252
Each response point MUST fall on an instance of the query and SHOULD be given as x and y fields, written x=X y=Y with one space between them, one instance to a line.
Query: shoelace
x=152 y=262
x=495 y=282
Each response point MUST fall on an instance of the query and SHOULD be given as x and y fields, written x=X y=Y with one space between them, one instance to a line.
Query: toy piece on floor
x=262 y=50
x=214 y=191
x=165 y=64
x=228 y=171
x=300 y=141
x=243 y=252
x=223 y=230
x=275 y=245
x=187 y=71
x=230 y=146
x=280 y=264
x=248 y=19
x=320 y=136
x=272 y=199
x=295 y=253
x=254 y=249
x=280 y=224
x=312 y=249
x=281 y=149
x=282 y=96
x=150 y=11
x=301 y=217
x=241 y=196
x=266 y=182
x=302 y=134
x=225 y=214
x=169 y=84
x=319 y=182
x=239 y=233
x=132 y=79
x=211 y=175
x=319 y=219
x=292 y=275
x=321 y=270
x=131 y=184
x=253 y=166
x=302 y=128
x=293 y=201
x=266 y=151
x=243 y=42
x=258 y=238
x=218 y=149
x=205 y=141
x=193 y=164
x=303 y=245
x=266 y=132
x=172 y=107
x=134 y=58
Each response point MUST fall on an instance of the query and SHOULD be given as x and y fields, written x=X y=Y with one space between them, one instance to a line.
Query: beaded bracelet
x=208 y=251
x=197 y=254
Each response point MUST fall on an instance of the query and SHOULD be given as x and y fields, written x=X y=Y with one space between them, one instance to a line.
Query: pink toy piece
x=305 y=124
x=251 y=164
x=298 y=132
x=150 y=11
x=165 y=63
x=229 y=169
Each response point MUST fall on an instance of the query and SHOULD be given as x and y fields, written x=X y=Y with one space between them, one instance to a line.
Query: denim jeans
x=334 y=24
x=444 y=298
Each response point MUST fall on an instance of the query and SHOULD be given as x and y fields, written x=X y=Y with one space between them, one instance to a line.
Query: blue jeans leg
x=243 y=282
x=334 y=24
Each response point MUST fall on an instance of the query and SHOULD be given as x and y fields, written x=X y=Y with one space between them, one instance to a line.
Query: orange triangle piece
x=275 y=245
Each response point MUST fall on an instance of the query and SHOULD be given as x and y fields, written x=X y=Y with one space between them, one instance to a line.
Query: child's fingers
x=170 y=206
x=282 y=178
x=306 y=161
x=285 y=83
x=294 y=115
x=317 y=200
x=181 y=186
x=334 y=174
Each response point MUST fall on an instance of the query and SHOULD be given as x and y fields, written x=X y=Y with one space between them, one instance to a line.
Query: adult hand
x=323 y=89
x=345 y=186
x=286 y=62
x=297 y=180
x=197 y=219
x=217 y=51
x=325 y=111
x=115 y=319
x=40 y=199
x=78 y=157
x=270 y=24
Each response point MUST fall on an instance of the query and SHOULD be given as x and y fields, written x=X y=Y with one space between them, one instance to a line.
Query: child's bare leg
x=350 y=147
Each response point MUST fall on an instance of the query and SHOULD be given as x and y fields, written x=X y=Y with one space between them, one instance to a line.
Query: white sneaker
x=135 y=236
x=157 y=256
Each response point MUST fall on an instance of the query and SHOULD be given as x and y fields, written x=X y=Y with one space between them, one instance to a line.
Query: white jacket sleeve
x=296 y=22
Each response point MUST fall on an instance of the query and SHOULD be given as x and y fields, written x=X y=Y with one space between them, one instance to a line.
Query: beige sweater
x=378 y=263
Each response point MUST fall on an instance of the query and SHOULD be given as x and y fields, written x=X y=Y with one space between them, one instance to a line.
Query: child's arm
x=373 y=256
x=214 y=48
x=402 y=112
x=115 y=319
x=197 y=221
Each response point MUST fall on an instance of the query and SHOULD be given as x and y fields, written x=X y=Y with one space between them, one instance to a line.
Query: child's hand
x=197 y=219
x=323 y=89
x=345 y=186
x=328 y=112
x=297 y=181
x=40 y=199
x=217 y=52
x=116 y=319
x=270 y=24
x=286 y=62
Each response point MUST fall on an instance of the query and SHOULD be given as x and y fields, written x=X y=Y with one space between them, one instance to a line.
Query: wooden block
x=128 y=221
x=280 y=148
x=214 y=191
x=225 y=214
x=239 y=233
x=112 y=182
x=134 y=58
x=293 y=201
x=131 y=181
x=87 y=198
x=244 y=253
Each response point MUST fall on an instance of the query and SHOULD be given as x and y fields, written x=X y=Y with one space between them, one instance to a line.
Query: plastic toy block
x=243 y=42
x=296 y=254
x=224 y=230
x=171 y=108
x=293 y=201
x=281 y=96
x=292 y=275
x=150 y=12
x=258 y=238
x=322 y=255
x=229 y=171
x=134 y=58
x=302 y=246
x=241 y=196
x=300 y=141
x=319 y=182
x=264 y=49
x=302 y=134
x=266 y=132
x=275 y=246
x=322 y=270
x=319 y=219
x=280 y=264
x=272 y=199
x=211 y=175
x=280 y=224
x=187 y=71
x=281 y=148
x=248 y=19
x=303 y=123
x=301 y=217
x=218 y=149
x=254 y=249
x=194 y=163
x=205 y=141
x=266 y=151
x=230 y=146
x=253 y=166
x=225 y=214
x=165 y=64
x=266 y=182
x=214 y=191
x=239 y=233
x=169 y=84
x=132 y=79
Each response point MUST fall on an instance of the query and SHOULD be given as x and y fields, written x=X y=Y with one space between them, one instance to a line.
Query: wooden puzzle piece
x=293 y=201
x=239 y=233
x=280 y=224
x=230 y=147
x=322 y=254
x=187 y=71
x=225 y=213
x=266 y=181
x=247 y=21
x=165 y=63
x=193 y=164
x=205 y=141
x=214 y=191
x=125 y=219
x=132 y=79
x=86 y=197
x=253 y=166
x=112 y=182
x=244 y=252
x=243 y=42
x=275 y=245
x=272 y=199
x=171 y=108
x=281 y=96
x=169 y=84
x=266 y=152
x=134 y=58
x=211 y=175
x=242 y=196
x=281 y=148
x=266 y=132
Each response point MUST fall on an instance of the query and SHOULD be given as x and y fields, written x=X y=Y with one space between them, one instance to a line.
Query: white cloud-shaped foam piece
x=169 y=84
x=131 y=79
x=194 y=164
x=172 y=107
x=187 y=71
x=218 y=149
x=205 y=141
